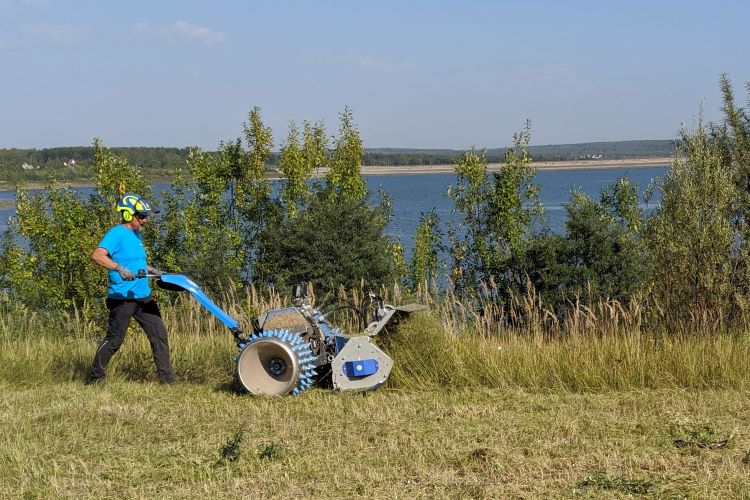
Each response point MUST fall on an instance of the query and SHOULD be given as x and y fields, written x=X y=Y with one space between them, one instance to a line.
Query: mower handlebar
x=143 y=274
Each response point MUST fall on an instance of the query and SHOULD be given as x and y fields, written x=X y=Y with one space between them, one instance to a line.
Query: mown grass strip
x=140 y=439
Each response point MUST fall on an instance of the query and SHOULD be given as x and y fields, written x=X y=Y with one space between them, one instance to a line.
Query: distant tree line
x=55 y=163
x=161 y=162
x=615 y=150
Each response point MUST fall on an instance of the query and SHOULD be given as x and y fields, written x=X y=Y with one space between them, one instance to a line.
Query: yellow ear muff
x=124 y=206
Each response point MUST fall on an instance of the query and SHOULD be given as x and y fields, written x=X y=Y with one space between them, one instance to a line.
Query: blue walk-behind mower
x=293 y=348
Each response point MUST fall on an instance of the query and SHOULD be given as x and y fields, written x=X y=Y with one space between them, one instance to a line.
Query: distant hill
x=41 y=164
x=615 y=150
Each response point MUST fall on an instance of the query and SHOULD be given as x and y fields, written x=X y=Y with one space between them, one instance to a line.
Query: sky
x=416 y=74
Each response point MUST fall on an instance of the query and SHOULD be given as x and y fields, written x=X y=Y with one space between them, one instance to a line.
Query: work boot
x=168 y=379
x=95 y=381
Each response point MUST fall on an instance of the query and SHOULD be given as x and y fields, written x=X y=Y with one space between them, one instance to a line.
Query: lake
x=416 y=194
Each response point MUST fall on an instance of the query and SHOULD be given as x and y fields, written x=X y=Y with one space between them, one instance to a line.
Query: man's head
x=134 y=210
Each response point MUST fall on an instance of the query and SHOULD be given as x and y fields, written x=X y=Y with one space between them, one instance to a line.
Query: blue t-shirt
x=126 y=248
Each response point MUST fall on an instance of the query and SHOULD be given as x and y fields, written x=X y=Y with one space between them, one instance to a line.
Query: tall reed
x=523 y=344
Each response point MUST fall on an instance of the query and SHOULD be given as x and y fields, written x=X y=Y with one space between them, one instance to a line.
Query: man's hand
x=125 y=274
x=157 y=272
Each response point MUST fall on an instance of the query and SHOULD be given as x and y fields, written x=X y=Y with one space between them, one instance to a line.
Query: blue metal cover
x=340 y=342
x=186 y=283
x=360 y=368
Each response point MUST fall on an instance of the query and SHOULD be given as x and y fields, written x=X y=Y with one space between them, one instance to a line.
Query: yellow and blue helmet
x=133 y=204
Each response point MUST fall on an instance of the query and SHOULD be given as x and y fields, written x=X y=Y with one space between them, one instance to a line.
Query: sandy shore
x=539 y=165
x=428 y=169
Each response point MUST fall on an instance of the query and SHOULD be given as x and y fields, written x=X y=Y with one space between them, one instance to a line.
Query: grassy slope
x=131 y=439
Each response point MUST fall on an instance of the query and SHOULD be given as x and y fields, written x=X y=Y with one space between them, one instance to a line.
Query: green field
x=462 y=416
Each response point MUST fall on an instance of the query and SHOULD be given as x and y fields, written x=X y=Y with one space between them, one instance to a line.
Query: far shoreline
x=376 y=170
x=538 y=165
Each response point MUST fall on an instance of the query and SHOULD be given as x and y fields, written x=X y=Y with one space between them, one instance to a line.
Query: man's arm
x=101 y=257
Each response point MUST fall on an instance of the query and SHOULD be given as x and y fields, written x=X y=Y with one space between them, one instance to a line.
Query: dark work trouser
x=146 y=313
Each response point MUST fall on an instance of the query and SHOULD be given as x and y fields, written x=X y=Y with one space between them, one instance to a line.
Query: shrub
x=329 y=243
x=693 y=237
x=497 y=215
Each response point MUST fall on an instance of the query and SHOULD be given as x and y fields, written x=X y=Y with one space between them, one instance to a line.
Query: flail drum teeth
x=275 y=364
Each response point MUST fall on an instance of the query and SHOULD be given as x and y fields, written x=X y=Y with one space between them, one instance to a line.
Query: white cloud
x=30 y=34
x=178 y=32
x=186 y=31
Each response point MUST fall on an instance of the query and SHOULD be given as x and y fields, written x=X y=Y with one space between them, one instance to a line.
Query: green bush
x=329 y=243
x=425 y=268
x=693 y=237
x=606 y=251
x=496 y=217
x=601 y=256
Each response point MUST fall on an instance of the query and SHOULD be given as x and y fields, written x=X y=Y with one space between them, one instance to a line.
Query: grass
x=577 y=363
x=137 y=439
x=429 y=354
x=470 y=411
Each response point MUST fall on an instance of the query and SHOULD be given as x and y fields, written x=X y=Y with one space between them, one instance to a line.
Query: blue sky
x=416 y=74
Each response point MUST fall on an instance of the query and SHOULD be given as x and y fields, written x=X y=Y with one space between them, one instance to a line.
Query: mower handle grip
x=143 y=274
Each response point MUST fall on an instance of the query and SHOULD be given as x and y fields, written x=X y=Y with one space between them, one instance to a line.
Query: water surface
x=416 y=194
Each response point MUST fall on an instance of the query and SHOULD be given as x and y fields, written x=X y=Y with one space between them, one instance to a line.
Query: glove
x=125 y=274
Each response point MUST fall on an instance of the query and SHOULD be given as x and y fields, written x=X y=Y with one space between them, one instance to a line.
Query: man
x=121 y=251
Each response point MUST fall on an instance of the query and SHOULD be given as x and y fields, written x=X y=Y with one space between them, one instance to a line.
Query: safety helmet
x=132 y=204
